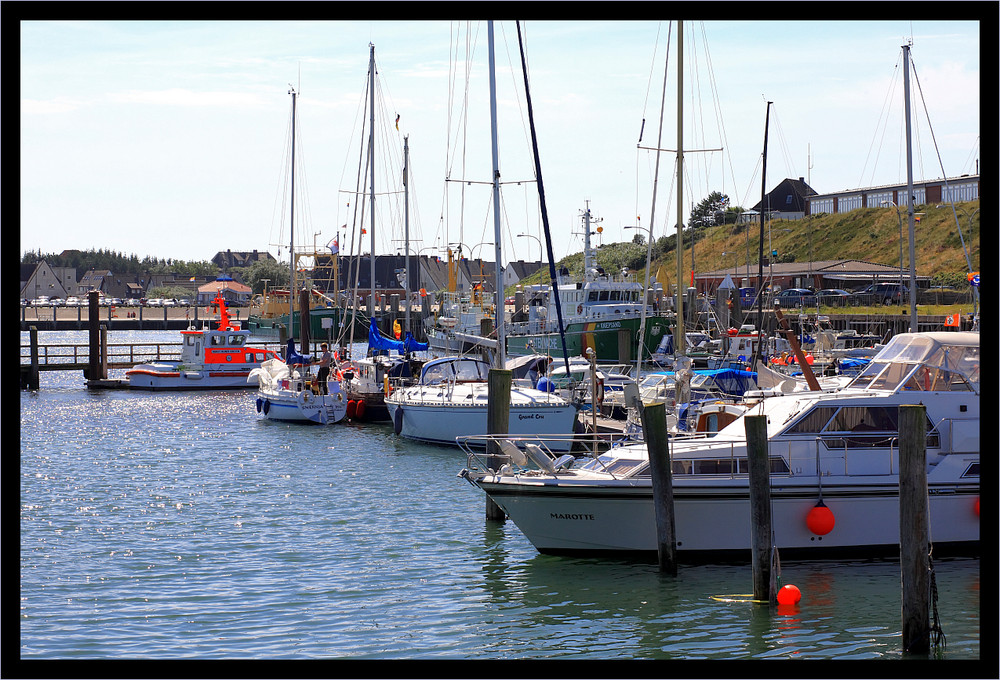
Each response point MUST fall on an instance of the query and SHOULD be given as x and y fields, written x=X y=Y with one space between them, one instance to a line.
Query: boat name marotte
x=560 y=515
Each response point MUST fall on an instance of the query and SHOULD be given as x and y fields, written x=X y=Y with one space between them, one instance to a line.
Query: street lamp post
x=539 y=244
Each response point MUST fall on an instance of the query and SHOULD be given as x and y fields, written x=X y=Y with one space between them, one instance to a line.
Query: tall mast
x=406 y=225
x=760 y=244
x=498 y=293
x=679 y=344
x=291 y=246
x=909 y=191
x=371 y=166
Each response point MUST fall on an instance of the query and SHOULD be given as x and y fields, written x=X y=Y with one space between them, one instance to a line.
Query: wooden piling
x=497 y=422
x=654 y=432
x=914 y=540
x=94 y=336
x=32 y=383
x=104 y=352
x=759 y=467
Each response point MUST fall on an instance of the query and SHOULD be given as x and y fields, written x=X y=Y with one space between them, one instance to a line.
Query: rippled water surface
x=165 y=526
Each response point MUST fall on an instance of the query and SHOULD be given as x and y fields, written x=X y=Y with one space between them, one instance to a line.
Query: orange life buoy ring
x=600 y=392
x=579 y=309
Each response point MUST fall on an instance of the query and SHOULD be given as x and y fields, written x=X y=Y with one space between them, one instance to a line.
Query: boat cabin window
x=616 y=296
x=723 y=466
x=592 y=296
x=218 y=339
x=462 y=369
x=236 y=339
x=190 y=341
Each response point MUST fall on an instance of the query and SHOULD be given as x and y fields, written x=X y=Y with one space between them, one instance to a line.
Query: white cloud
x=188 y=98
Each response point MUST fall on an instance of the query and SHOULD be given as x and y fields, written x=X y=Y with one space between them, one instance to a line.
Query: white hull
x=164 y=376
x=425 y=414
x=289 y=406
x=715 y=518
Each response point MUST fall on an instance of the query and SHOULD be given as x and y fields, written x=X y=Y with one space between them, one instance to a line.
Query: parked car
x=155 y=302
x=834 y=297
x=881 y=294
x=73 y=301
x=795 y=297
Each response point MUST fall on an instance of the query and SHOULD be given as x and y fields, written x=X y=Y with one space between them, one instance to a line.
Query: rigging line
x=649 y=78
x=783 y=145
x=884 y=113
x=514 y=88
x=718 y=110
x=944 y=175
x=652 y=213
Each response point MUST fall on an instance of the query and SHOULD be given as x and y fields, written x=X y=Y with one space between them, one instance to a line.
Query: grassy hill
x=868 y=234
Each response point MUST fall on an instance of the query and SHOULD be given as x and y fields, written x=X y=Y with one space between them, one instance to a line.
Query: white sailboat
x=451 y=397
x=286 y=389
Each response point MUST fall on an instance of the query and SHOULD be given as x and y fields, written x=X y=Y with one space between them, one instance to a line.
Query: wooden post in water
x=913 y=528
x=33 y=374
x=104 y=352
x=760 y=506
x=497 y=422
x=654 y=429
x=94 y=337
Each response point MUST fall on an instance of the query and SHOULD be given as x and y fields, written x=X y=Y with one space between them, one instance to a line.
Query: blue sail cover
x=379 y=343
x=293 y=357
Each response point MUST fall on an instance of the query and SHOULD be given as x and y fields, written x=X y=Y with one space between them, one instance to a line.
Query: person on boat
x=324 y=368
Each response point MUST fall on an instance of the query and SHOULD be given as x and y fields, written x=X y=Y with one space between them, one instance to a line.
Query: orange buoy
x=352 y=408
x=360 y=410
x=789 y=595
x=809 y=359
x=977 y=506
x=820 y=519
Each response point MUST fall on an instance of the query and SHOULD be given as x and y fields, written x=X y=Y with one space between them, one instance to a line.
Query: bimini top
x=941 y=362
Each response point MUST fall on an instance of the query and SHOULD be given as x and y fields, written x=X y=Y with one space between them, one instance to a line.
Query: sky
x=170 y=138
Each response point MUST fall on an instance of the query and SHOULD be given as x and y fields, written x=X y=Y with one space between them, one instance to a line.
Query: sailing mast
x=371 y=167
x=406 y=226
x=291 y=245
x=760 y=245
x=498 y=307
x=652 y=213
x=679 y=341
x=909 y=189
x=554 y=285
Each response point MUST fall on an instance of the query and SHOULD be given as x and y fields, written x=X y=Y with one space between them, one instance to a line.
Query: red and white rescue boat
x=210 y=360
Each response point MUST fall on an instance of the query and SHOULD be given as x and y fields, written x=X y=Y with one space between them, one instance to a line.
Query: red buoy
x=820 y=520
x=789 y=595
x=360 y=409
x=977 y=506
x=352 y=407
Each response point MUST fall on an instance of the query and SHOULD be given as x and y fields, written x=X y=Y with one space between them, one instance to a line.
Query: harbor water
x=182 y=526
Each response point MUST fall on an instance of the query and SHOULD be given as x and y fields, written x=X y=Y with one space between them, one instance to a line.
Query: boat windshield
x=928 y=362
x=457 y=369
